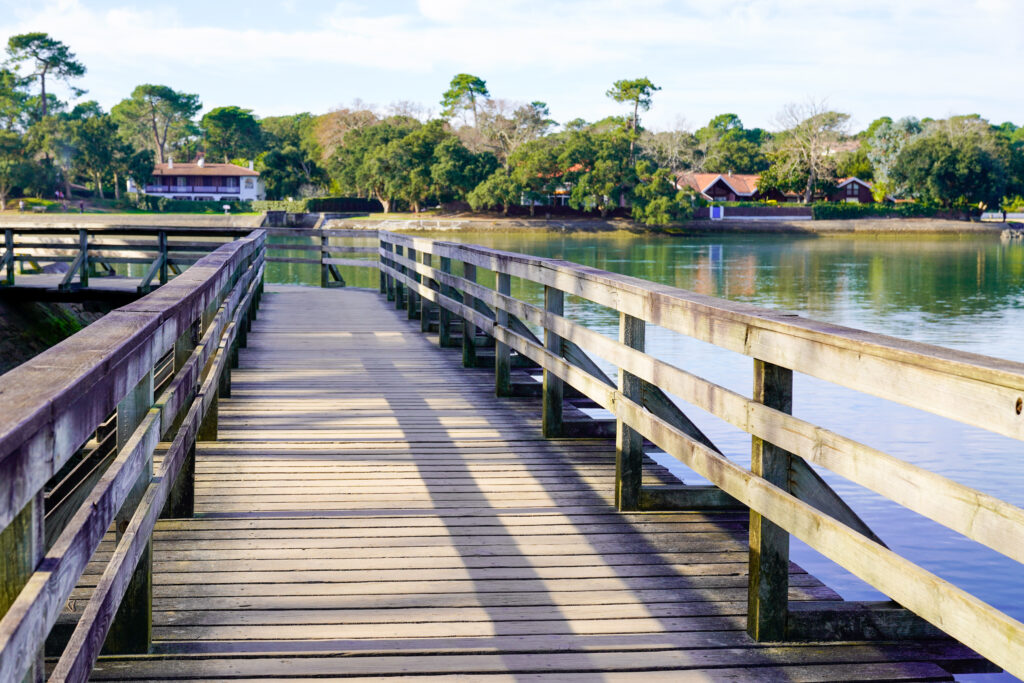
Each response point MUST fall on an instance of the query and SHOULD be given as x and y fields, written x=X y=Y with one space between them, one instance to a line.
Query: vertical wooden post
x=181 y=498
x=83 y=268
x=468 y=328
x=324 y=272
x=628 y=442
x=399 y=299
x=380 y=259
x=426 y=307
x=9 y=255
x=502 y=353
x=132 y=629
x=768 y=591
x=162 y=241
x=444 y=316
x=552 y=392
x=22 y=546
x=412 y=296
x=390 y=279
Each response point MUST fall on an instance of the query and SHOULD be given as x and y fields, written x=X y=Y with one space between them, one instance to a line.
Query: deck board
x=372 y=510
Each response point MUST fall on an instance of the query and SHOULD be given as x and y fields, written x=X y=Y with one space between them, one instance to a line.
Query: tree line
x=483 y=151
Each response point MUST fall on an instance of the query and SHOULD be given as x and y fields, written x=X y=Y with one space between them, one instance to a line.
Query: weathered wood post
x=426 y=307
x=325 y=273
x=468 y=328
x=381 y=244
x=768 y=591
x=389 y=279
x=8 y=261
x=181 y=498
x=399 y=299
x=553 y=389
x=502 y=353
x=132 y=629
x=628 y=442
x=162 y=242
x=22 y=546
x=412 y=295
x=83 y=266
x=208 y=424
x=444 y=316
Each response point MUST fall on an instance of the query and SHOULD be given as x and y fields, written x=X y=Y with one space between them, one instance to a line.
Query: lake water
x=961 y=292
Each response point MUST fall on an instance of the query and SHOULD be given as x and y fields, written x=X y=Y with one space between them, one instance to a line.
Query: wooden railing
x=94 y=250
x=157 y=365
x=782 y=492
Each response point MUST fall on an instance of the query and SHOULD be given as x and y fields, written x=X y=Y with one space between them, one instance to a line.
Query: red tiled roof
x=843 y=181
x=204 y=170
x=741 y=183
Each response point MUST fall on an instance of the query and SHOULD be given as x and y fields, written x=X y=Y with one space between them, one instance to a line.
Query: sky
x=868 y=58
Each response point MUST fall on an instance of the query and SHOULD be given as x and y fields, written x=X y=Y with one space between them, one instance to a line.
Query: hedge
x=150 y=202
x=841 y=210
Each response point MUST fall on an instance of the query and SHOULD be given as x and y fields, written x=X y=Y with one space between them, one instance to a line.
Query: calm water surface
x=961 y=292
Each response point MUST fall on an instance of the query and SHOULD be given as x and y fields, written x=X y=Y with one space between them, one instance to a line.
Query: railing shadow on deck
x=783 y=493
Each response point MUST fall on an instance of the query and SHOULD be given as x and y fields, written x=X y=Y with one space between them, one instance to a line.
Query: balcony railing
x=191 y=189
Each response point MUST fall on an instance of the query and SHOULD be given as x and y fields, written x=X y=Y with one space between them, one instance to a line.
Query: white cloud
x=748 y=55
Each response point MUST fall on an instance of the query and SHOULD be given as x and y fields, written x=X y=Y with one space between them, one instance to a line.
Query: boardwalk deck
x=371 y=510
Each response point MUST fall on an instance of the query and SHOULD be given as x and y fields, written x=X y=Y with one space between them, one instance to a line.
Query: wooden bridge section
x=217 y=482
x=369 y=496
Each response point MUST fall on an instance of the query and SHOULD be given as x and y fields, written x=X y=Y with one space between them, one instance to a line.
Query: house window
x=180 y=181
x=248 y=183
x=852 y=190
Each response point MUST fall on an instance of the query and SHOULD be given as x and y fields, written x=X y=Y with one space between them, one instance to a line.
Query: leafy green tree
x=13 y=101
x=596 y=164
x=231 y=132
x=157 y=117
x=500 y=189
x=12 y=164
x=727 y=146
x=656 y=200
x=535 y=168
x=637 y=91
x=462 y=94
x=413 y=157
x=51 y=139
x=96 y=144
x=49 y=57
x=456 y=170
x=956 y=163
x=855 y=164
x=365 y=166
x=884 y=146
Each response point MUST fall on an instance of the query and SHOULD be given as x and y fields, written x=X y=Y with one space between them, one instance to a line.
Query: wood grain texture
x=369 y=496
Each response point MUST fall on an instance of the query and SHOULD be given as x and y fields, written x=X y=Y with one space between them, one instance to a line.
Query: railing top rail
x=980 y=390
x=54 y=400
x=72 y=227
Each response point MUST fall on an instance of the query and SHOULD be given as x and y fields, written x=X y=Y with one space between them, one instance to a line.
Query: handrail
x=977 y=390
x=55 y=401
x=163 y=247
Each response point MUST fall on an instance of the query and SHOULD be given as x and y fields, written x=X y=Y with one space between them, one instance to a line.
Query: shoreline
x=457 y=223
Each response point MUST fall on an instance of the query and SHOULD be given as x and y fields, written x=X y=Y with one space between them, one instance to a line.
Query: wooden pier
x=360 y=484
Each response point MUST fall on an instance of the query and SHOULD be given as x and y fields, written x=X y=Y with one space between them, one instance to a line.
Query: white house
x=201 y=181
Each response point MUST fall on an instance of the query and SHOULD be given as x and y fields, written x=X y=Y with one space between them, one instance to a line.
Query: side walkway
x=371 y=509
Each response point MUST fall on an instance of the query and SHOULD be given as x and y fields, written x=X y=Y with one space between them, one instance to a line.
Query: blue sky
x=751 y=57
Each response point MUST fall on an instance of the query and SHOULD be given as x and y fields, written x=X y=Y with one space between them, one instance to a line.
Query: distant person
x=1004 y=215
x=81 y=207
x=21 y=205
